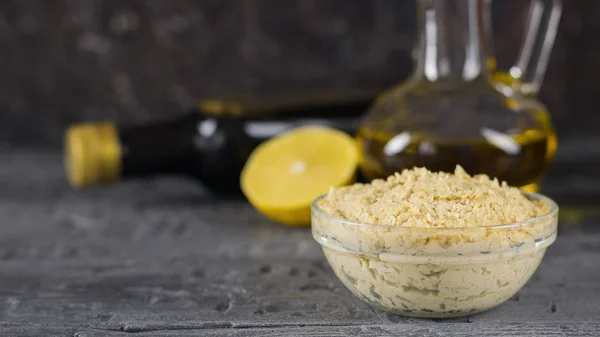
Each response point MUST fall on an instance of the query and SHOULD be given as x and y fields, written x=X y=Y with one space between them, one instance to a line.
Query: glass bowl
x=434 y=272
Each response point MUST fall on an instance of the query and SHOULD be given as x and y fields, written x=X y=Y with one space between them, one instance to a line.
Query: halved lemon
x=285 y=174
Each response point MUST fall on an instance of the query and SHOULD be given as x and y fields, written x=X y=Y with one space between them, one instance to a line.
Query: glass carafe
x=456 y=110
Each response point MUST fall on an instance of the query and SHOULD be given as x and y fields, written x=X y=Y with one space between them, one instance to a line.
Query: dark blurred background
x=133 y=61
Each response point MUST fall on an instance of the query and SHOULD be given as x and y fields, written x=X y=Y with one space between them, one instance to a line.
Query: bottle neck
x=203 y=146
x=452 y=39
x=158 y=148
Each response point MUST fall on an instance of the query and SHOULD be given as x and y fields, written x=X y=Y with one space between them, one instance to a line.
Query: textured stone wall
x=64 y=61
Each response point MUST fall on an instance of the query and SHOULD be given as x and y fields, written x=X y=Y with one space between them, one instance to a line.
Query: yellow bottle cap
x=92 y=154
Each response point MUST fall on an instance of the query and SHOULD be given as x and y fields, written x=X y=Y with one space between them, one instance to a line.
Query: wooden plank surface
x=163 y=258
x=374 y=330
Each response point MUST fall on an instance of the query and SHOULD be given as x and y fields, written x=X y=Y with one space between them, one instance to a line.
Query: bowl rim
x=552 y=213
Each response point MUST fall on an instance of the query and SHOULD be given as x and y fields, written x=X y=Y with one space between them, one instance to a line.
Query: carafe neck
x=452 y=39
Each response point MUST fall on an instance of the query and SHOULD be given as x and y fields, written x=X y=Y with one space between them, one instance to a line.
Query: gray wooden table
x=163 y=258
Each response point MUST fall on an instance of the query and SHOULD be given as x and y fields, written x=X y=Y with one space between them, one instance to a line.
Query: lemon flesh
x=285 y=174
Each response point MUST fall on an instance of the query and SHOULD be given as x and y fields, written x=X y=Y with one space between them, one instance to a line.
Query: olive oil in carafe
x=457 y=109
x=520 y=163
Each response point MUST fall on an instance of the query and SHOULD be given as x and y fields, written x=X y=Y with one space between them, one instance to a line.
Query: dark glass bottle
x=212 y=150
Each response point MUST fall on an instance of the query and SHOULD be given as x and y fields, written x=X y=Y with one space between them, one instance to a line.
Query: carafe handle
x=542 y=25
